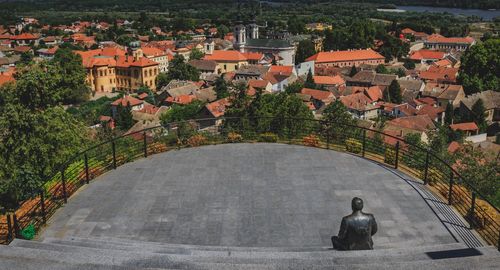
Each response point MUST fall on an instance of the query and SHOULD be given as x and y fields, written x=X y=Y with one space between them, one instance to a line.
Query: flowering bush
x=268 y=137
x=197 y=140
x=390 y=156
x=353 y=146
x=234 y=137
x=311 y=140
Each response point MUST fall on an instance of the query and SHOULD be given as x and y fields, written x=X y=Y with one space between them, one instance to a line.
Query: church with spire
x=246 y=40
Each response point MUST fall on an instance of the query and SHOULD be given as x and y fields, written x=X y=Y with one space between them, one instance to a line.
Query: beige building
x=227 y=61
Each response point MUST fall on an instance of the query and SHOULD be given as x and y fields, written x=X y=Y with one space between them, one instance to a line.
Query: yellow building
x=113 y=69
x=227 y=61
x=318 y=26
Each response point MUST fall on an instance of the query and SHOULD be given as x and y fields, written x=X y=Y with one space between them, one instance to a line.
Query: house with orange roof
x=319 y=98
x=329 y=81
x=24 y=39
x=469 y=128
x=110 y=69
x=215 y=110
x=47 y=53
x=347 y=58
x=227 y=61
x=417 y=35
x=439 y=74
x=439 y=42
x=445 y=93
x=157 y=56
x=180 y=100
x=4 y=79
x=425 y=56
x=360 y=106
x=435 y=113
x=134 y=103
x=417 y=124
x=265 y=85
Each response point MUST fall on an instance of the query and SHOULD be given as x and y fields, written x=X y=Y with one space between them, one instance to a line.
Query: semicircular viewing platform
x=250 y=195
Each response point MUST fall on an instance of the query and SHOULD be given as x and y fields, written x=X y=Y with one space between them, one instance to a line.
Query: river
x=487 y=15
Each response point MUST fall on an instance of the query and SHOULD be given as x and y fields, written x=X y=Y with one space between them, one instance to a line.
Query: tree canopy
x=480 y=67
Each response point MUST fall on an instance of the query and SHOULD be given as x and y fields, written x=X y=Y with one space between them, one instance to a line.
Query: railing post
x=471 y=210
x=145 y=144
x=113 y=147
x=87 y=175
x=17 y=229
x=10 y=231
x=498 y=244
x=42 y=205
x=63 y=182
x=426 y=173
x=396 y=161
x=450 y=190
x=327 y=136
x=364 y=143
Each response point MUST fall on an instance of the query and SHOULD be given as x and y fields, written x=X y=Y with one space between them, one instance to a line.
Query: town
x=67 y=84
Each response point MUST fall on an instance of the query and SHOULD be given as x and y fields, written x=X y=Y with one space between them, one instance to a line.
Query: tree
x=222 y=30
x=478 y=114
x=381 y=69
x=26 y=58
x=338 y=118
x=196 y=54
x=162 y=80
x=304 y=50
x=182 y=112
x=221 y=88
x=479 y=67
x=353 y=71
x=180 y=70
x=296 y=26
x=72 y=84
x=294 y=87
x=448 y=114
x=310 y=81
x=393 y=93
x=151 y=96
x=409 y=64
x=124 y=119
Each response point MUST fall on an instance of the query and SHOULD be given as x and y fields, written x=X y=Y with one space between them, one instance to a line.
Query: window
x=100 y=73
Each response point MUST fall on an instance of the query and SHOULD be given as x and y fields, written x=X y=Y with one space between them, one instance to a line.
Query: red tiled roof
x=253 y=56
x=124 y=101
x=258 y=83
x=218 y=107
x=426 y=54
x=182 y=99
x=374 y=93
x=417 y=122
x=318 y=94
x=22 y=49
x=152 y=51
x=149 y=109
x=24 y=36
x=6 y=79
x=470 y=126
x=438 y=74
x=453 y=147
x=226 y=56
x=142 y=96
x=431 y=111
x=329 y=80
x=443 y=63
x=437 y=38
x=339 y=56
x=282 y=69
x=358 y=101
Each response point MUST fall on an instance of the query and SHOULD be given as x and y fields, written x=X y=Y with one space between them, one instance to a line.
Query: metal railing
x=413 y=160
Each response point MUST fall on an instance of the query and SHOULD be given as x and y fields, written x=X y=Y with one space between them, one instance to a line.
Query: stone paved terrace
x=248 y=195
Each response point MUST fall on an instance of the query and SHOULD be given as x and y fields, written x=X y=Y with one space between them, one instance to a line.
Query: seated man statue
x=356 y=229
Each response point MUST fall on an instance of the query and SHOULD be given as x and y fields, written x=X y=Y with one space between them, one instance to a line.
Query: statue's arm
x=374 y=225
x=343 y=229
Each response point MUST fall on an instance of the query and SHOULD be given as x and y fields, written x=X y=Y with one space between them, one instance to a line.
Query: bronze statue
x=356 y=229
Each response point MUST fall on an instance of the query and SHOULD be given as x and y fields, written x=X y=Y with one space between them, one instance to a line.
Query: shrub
x=197 y=140
x=170 y=139
x=311 y=140
x=268 y=137
x=156 y=147
x=354 y=146
x=234 y=137
x=390 y=156
x=28 y=233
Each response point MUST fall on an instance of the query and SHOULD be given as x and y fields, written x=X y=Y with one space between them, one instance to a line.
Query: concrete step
x=26 y=262
x=140 y=258
x=157 y=247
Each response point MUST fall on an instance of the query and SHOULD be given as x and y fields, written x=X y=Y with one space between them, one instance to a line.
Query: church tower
x=240 y=36
x=254 y=30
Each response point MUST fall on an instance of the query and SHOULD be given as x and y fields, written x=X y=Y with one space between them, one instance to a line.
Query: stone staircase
x=117 y=253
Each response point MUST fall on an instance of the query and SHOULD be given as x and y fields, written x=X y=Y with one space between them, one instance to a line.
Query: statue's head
x=356 y=204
